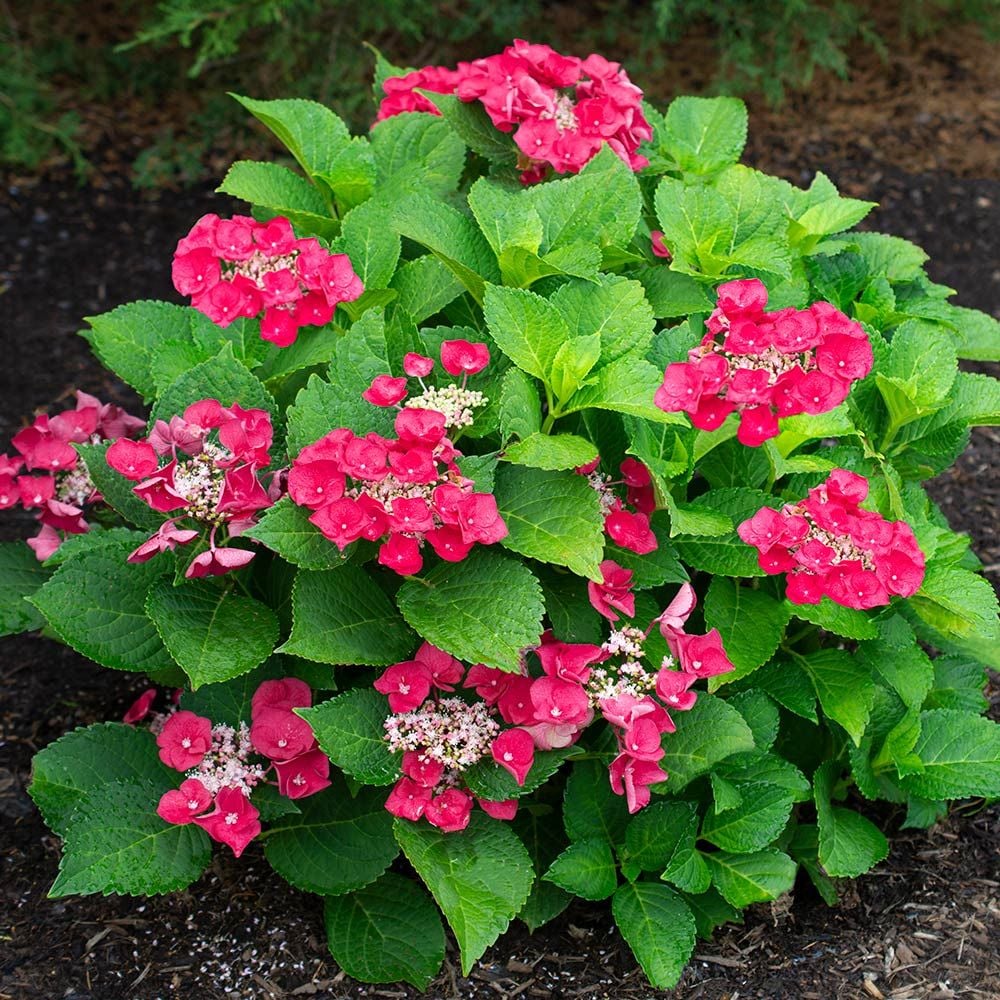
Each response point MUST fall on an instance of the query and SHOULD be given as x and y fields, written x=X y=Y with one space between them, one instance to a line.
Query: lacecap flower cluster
x=204 y=465
x=765 y=365
x=829 y=547
x=560 y=109
x=239 y=267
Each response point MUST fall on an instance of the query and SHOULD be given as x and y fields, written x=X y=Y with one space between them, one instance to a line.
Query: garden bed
x=925 y=924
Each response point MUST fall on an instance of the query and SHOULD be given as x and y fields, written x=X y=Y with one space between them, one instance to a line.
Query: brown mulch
x=924 y=926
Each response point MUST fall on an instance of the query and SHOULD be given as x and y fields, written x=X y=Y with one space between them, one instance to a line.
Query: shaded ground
x=925 y=924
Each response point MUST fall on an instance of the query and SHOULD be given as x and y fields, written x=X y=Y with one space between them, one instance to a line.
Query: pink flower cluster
x=767 y=364
x=240 y=267
x=405 y=490
x=561 y=109
x=218 y=763
x=213 y=455
x=47 y=475
x=626 y=528
x=828 y=546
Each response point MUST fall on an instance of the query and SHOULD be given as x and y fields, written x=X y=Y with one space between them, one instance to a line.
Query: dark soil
x=925 y=924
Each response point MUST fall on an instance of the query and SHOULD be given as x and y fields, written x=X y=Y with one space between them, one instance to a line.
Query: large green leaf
x=115 y=843
x=116 y=490
x=285 y=528
x=489 y=781
x=480 y=877
x=725 y=554
x=343 y=616
x=526 y=327
x=704 y=134
x=485 y=609
x=654 y=833
x=65 y=772
x=844 y=686
x=417 y=152
x=960 y=753
x=350 y=730
x=336 y=843
x=659 y=928
x=554 y=517
x=849 y=845
x=752 y=878
x=21 y=574
x=591 y=810
x=754 y=823
x=387 y=931
x=586 y=869
x=213 y=634
x=551 y=451
x=96 y=604
x=708 y=733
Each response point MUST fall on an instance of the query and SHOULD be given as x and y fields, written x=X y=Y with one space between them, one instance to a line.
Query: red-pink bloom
x=423 y=770
x=284 y=693
x=514 y=750
x=642 y=739
x=444 y=669
x=401 y=553
x=631 y=531
x=488 y=682
x=417 y=365
x=304 y=775
x=660 y=248
x=184 y=740
x=515 y=705
x=505 y=810
x=406 y=685
x=139 y=708
x=216 y=562
x=449 y=811
x=343 y=521
x=559 y=702
x=569 y=661
x=632 y=777
x=313 y=484
x=181 y=805
x=614 y=592
x=460 y=357
x=385 y=391
x=234 y=821
x=279 y=734
x=134 y=460
x=672 y=687
x=408 y=799
x=703 y=655
x=166 y=539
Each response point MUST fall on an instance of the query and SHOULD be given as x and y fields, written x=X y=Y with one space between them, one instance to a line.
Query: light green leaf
x=844 y=687
x=724 y=555
x=957 y=603
x=671 y=293
x=386 y=932
x=520 y=408
x=847 y=622
x=213 y=634
x=343 y=616
x=554 y=517
x=351 y=732
x=336 y=843
x=425 y=286
x=526 y=327
x=552 y=452
x=704 y=134
x=371 y=244
x=480 y=877
x=752 y=878
x=573 y=363
x=961 y=756
x=625 y=386
x=485 y=609
x=417 y=152
x=659 y=928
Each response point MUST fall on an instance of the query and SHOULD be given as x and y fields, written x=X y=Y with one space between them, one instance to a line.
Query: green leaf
x=601 y=204
x=485 y=609
x=570 y=613
x=221 y=377
x=704 y=134
x=337 y=843
x=790 y=686
x=553 y=452
x=902 y=664
x=754 y=823
x=96 y=538
x=388 y=931
x=961 y=756
x=350 y=731
x=659 y=928
x=687 y=868
x=671 y=294
x=115 y=489
x=66 y=772
x=416 y=152
x=710 y=911
x=480 y=877
x=958 y=684
x=625 y=386
x=922 y=361
x=285 y=529
x=96 y=604
x=751 y=878
x=573 y=363
x=281 y=192
x=554 y=517
x=213 y=634
x=847 y=622
x=371 y=244
x=544 y=840
x=844 y=687
x=615 y=310
x=751 y=623
x=591 y=810
x=342 y=616
x=724 y=555
x=957 y=603
x=849 y=845
x=324 y=405
x=892 y=256
x=527 y=328
x=488 y=780
x=21 y=574
x=654 y=833
x=424 y=287
x=586 y=868
x=473 y=126
x=126 y=339
x=520 y=409
x=115 y=843
x=767 y=768
x=708 y=733
x=761 y=716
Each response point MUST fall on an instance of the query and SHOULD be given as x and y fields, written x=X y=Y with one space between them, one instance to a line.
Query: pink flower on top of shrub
x=828 y=546
x=238 y=267
x=765 y=365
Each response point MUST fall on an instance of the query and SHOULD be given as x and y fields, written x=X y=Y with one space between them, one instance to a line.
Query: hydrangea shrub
x=530 y=506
